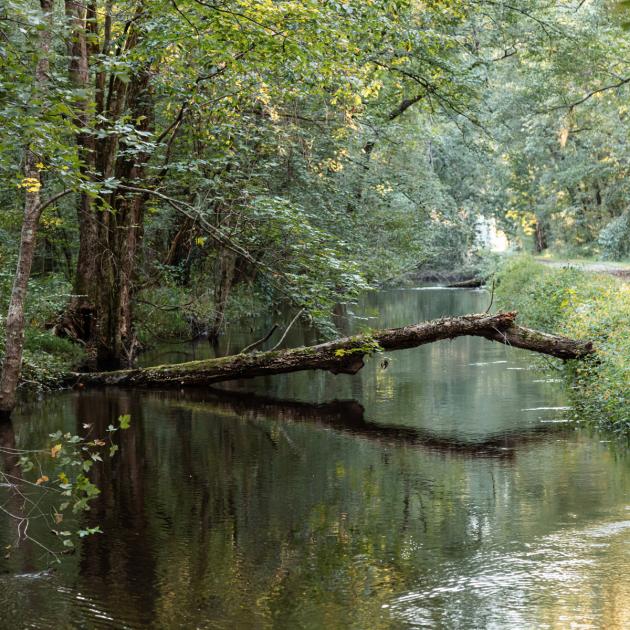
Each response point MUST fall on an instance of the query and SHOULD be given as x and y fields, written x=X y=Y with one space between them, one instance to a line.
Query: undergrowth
x=47 y=358
x=585 y=306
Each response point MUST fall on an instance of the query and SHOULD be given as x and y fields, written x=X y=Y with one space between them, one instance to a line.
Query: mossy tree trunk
x=343 y=356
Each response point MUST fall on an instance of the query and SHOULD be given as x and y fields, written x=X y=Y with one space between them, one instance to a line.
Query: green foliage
x=614 y=239
x=47 y=358
x=368 y=347
x=54 y=485
x=327 y=146
x=584 y=306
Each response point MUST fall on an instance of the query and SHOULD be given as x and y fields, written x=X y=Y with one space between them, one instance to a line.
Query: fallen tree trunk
x=343 y=356
x=473 y=283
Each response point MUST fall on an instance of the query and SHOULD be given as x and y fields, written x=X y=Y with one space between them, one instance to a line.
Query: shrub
x=581 y=305
x=614 y=239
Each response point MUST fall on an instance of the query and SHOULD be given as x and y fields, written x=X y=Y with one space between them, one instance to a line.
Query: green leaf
x=124 y=421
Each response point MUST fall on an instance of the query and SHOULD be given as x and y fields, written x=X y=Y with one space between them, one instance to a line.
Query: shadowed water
x=445 y=491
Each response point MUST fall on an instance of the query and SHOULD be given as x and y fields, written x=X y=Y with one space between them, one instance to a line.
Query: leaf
x=55 y=450
x=41 y=480
x=124 y=421
x=89 y=531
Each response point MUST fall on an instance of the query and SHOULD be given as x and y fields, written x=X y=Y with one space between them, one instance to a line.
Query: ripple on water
x=553 y=578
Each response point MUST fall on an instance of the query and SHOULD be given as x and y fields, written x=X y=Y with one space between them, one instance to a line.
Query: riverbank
x=580 y=304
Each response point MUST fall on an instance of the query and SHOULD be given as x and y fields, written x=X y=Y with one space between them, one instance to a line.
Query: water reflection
x=429 y=498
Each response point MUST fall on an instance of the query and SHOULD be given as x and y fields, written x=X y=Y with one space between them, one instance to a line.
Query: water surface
x=447 y=490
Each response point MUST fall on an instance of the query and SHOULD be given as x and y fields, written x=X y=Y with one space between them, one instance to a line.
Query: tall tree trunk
x=81 y=321
x=101 y=313
x=541 y=237
x=119 y=346
x=14 y=341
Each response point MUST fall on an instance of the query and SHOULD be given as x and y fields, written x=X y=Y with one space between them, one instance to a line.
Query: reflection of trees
x=252 y=511
x=11 y=525
x=25 y=509
x=125 y=553
x=247 y=512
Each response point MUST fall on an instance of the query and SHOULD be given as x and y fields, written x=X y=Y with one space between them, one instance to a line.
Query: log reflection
x=347 y=416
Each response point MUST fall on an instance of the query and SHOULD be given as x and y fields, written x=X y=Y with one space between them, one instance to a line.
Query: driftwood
x=342 y=356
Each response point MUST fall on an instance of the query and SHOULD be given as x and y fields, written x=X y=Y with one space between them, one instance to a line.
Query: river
x=441 y=487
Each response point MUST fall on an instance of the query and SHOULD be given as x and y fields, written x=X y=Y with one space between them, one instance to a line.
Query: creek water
x=446 y=489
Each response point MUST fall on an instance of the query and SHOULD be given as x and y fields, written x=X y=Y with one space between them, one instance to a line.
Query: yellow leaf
x=32 y=184
x=54 y=451
x=41 y=480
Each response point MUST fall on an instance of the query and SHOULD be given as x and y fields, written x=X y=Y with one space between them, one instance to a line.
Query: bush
x=614 y=239
x=580 y=305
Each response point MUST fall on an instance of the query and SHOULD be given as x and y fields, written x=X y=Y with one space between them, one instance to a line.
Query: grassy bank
x=584 y=305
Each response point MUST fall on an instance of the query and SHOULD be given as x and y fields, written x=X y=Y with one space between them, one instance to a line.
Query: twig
x=491 y=298
x=588 y=96
x=288 y=328
x=177 y=307
x=260 y=341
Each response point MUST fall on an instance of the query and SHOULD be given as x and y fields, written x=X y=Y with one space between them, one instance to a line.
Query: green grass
x=582 y=305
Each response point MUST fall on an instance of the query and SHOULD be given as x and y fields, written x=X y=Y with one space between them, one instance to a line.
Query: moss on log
x=342 y=356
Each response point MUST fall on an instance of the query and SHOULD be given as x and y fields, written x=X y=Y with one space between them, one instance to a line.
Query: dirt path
x=619 y=269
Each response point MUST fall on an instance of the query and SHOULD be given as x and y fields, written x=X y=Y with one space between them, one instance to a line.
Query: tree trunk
x=344 y=356
x=541 y=237
x=226 y=262
x=100 y=315
x=14 y=340
x=79 y=321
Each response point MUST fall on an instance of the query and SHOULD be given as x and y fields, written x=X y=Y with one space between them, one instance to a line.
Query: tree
x=33 y=207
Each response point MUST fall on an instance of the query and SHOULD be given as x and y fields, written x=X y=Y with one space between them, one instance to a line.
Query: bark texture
x=100 y=315
x=343 y=356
